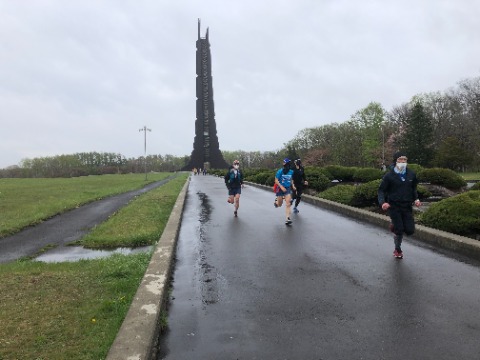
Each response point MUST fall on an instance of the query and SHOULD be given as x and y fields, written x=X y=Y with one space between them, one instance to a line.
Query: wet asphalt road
x=326 y=288
x=67 y=227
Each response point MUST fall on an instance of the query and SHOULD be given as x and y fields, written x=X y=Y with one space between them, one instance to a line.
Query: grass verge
x=25 y=202
x=74 y=310
x=139 y=224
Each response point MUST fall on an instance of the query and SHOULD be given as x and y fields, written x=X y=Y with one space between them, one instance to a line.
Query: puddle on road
x=75 y=253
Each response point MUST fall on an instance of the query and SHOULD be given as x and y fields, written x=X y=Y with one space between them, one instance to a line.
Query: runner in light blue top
x=284 y=181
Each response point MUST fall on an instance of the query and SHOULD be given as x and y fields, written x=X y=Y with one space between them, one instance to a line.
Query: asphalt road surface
x=327 y=287
x=67 y=227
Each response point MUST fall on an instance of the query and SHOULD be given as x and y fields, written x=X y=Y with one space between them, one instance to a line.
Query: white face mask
x=235 y=166
x=401 y=166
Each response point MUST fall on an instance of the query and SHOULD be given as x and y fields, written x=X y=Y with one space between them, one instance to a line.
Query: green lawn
x=25 y=202
x=470 y=176
x=74 y=310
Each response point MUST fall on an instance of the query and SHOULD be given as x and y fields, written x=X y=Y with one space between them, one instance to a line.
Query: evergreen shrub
x=341 y=173
x=318 y=181
x=366 y=194
x=364 y=175
x=443 y=177
x=342 y=194
x=458 y=214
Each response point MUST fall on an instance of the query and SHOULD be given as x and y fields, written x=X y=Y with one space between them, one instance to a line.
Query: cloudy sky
x=86 y=75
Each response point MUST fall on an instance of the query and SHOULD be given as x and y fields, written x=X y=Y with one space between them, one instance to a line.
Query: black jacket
x=393 y=189
x=299 y=177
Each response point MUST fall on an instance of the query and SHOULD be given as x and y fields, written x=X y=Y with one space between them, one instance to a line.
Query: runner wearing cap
x=234 y=183
x=284 y=181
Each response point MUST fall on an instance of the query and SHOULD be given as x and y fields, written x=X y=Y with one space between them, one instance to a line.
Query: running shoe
x=288 y=221
x=295 y=210
x=398 y=254
x=235 y=213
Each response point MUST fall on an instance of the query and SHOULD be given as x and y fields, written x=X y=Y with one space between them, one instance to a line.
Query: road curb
x=138 y=336
x=442 y=239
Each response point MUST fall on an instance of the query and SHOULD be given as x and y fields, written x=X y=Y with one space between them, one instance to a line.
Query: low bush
x=314 y=171
x=458 y=214
x=443 y=177
x=364 y=175
x=341 y=173
x=342 y=194
x=417 y=169
x=262 y=178
x=366 y=194
x=318 y=181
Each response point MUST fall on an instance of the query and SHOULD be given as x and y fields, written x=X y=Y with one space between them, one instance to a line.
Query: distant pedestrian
x=396 y=193
x=284 y=181
x=300 y=182
x=234 y=182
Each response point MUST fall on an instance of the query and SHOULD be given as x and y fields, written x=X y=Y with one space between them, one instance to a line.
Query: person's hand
x=418 y=203
x=305 y=183
x=385 y=206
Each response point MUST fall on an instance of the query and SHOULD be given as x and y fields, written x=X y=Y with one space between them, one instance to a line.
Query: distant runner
x=234 y=182
x=284 y=181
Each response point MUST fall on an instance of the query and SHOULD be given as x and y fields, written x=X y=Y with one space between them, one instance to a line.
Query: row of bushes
x=320 y=178
x=458 y=214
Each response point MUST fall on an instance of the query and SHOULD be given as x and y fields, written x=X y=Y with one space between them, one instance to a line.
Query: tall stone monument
x=206 y=152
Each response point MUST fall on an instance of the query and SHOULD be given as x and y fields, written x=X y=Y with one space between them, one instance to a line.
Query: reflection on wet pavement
x=75 y=253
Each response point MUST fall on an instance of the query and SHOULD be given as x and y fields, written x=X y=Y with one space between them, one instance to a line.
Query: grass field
x=74 y=310
x=470 y=176
x=25 y=202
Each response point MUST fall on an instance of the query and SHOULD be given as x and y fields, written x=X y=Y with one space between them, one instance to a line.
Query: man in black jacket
x=396 y=193
x=300 y=182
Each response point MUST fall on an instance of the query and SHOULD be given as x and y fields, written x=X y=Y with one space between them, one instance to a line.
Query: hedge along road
x=67 y=227
x=326 y=288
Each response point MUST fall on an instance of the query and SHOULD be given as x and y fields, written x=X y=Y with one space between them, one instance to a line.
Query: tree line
x=440 y=129
x=435 y=129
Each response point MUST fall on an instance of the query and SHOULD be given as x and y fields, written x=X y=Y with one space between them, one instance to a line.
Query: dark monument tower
x=206 y=152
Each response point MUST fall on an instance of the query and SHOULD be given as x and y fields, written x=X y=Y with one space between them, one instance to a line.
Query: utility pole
x=145 y=129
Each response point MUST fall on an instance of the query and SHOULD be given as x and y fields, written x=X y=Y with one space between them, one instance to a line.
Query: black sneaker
x=288 y=221
x=235 y=213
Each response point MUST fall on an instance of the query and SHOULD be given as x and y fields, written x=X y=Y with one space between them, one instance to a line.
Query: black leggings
x=297 y=195
x=402 y=218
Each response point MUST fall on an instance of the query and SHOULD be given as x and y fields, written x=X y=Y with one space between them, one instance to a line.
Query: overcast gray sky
x=86 y=75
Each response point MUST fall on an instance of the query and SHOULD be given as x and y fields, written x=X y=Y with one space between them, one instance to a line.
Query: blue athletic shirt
x=285 y=179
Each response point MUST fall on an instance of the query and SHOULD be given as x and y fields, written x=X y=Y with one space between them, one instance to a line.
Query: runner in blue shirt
x=284 y=181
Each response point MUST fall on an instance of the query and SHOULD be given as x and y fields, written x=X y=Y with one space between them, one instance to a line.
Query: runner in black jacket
x=300 y=181
x=396 y=193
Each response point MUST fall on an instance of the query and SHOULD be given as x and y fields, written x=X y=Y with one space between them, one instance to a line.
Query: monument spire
x=206 y=149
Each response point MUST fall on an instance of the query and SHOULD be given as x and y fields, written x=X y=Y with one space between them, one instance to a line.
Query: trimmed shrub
x=341 y=173
x=366 y=194
x=423 y=192
x=364 y=175
x=314 y=171
x=342 y=194
x=262 y=178
x=417 y=169
x=459 y=214
x=318 y=181
x=443 y=177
